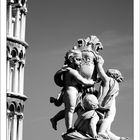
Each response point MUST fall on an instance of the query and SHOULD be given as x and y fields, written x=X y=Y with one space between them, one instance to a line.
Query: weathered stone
x=79 y=136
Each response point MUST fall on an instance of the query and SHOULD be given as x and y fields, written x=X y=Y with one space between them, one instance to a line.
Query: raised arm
x=105 y=84
x=100 y=69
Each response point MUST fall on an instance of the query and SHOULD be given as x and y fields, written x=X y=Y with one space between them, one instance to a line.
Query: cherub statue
x=78 y=72
x=88 y=118
x=71 y=81
x=109 y=90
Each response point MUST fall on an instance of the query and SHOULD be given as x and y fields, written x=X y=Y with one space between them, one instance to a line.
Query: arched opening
x=21 y=54
x=12 y=107
x=14 y=52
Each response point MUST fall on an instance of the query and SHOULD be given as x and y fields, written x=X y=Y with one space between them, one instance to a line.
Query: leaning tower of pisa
x=16 y=52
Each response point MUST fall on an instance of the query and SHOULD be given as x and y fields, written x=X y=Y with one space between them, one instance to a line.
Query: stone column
x=14 y=136
x=8 y=76
x=13 y=26
x=22 y=27
x=9 y=18
x=9 y=125
x=15 y=78
x=11 y=79
x=17 y=23
x=20 y=127
x=21 y=78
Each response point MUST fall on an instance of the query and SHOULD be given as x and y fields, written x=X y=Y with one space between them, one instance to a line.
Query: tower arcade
x=16 y=50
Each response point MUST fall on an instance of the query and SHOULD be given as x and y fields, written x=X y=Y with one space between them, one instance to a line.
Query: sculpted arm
x=79 y=78
x=100 y=92
x=58 y=77
x=105 y=85
x=100 y=69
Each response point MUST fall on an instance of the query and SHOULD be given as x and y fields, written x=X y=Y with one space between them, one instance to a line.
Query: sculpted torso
x=87 y=66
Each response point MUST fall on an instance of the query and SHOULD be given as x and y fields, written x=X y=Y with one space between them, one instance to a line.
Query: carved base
x=79 y=136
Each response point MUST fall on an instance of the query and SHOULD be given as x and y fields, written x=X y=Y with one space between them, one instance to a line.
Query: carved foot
x=70 y=130
x=96 y=137
x=103 y=136
x=54 y=124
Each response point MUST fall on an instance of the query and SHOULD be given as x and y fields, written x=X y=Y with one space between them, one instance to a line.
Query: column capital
x=10 y=2
x=20 y=115
x=14 y=62
x=24 y=10
x=10 y=114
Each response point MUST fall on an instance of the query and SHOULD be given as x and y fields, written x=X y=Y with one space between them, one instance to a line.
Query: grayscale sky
x=53 y=27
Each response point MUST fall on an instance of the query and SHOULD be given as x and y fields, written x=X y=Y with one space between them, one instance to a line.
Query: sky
x=52 y=28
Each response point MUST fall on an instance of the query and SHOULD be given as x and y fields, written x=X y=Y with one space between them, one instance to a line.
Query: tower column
x=9 y=125
x=16 y=49
x=15 y=78
x=20 y=127
x=22 y=26
x=14 y=136
x=21 y=78
x=11 y=75
x=8 y=76
x=17 y=21
x=9 y=17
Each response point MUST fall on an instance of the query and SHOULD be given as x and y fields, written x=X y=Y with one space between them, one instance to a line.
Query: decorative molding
x=15 y=40
x=17 y=96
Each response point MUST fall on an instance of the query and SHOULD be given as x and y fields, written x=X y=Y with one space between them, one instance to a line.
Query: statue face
x=78 y=59
x=88 y=57
x=87 y=65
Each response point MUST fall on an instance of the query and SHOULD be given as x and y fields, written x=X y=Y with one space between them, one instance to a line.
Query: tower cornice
x=15 y=40
x=16 y=95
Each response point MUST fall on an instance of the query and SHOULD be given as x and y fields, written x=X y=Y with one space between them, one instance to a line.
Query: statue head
x=116 y=74
x=90 y=102
x=73 y=57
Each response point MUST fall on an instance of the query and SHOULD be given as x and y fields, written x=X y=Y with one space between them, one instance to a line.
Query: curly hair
x=90 y=102
x=70 y=55
x=116 y=74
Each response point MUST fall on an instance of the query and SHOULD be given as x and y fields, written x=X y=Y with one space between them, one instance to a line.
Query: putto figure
x=109 y=90
x=95 y=108
x=71 y=83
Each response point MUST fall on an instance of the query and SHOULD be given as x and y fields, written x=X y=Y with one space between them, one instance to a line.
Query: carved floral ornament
x=90 y=44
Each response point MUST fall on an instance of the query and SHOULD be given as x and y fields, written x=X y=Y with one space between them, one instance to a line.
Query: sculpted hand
x=69 y=69
x=64 y=68
x=100 y=60
x=91 y=81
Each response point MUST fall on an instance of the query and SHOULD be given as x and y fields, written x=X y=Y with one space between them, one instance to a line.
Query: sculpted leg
x=112 y=136
x=92 y=125
x=60 y=115
x=102 y=130
x=70 y=103
x=109 y=118
x=57 y=101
